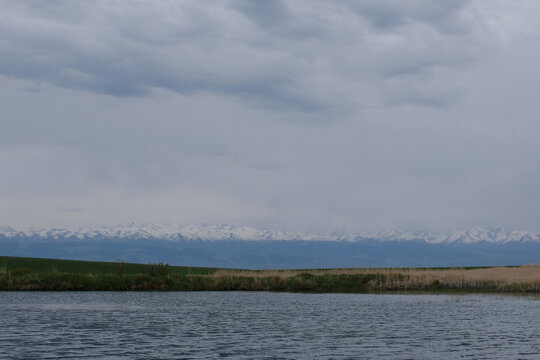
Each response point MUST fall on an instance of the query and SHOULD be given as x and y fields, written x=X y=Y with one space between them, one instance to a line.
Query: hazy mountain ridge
x=244 y=247
x=217 y=232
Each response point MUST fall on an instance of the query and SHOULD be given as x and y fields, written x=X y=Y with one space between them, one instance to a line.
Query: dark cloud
x=388 y=15
x=270 y=13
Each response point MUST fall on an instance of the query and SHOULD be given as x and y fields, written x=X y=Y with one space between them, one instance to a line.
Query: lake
x=262 y=325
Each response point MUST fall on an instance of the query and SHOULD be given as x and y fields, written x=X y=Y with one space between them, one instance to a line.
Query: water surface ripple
x=260 y=325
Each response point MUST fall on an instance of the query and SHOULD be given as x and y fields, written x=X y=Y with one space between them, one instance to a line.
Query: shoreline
x=34 y=274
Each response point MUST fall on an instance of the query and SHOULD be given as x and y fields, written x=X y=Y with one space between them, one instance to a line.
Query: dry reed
x=526 y=278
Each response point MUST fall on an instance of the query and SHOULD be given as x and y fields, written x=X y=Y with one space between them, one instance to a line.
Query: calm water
x=266 y=326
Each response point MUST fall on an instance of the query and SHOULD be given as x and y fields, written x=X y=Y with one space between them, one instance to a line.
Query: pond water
x=263 y=325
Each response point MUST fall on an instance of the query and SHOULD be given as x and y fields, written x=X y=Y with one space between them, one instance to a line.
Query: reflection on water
x=247 y=325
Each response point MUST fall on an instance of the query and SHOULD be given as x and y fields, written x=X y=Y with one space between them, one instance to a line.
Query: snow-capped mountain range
x=215 y=232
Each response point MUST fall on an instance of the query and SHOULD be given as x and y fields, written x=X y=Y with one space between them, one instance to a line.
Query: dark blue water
x=259 y=325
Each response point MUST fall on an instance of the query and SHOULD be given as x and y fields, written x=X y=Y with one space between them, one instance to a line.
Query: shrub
x=159 y=269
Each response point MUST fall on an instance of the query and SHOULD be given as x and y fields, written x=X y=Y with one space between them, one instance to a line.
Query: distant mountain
x=492 y=235
x=244 y=247
x=218 y=232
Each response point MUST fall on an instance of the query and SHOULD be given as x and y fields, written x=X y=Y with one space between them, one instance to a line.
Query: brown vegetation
x=524 y=278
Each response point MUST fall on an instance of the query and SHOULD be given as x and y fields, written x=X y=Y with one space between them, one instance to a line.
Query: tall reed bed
x=505 y=279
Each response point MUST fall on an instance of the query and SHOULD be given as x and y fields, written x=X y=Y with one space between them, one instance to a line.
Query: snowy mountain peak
x=492 y=235
x=403 y=234
x=7 y=230
x=215 y=232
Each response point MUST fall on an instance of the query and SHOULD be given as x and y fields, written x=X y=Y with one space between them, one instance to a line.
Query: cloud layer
x=279 y=114
x=298 y=55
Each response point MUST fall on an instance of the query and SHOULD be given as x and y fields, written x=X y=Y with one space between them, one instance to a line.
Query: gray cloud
x=295 y=115
x=292 y=55
x=446 y=17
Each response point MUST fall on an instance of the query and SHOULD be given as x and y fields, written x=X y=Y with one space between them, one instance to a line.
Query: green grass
x=40 y=266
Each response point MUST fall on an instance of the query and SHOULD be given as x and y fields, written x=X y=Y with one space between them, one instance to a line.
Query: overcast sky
x=292 y=115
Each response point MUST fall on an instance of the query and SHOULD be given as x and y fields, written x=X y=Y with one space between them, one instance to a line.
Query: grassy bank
x=49 y=274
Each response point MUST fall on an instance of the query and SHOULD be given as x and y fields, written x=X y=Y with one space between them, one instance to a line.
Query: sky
x=285 y=115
